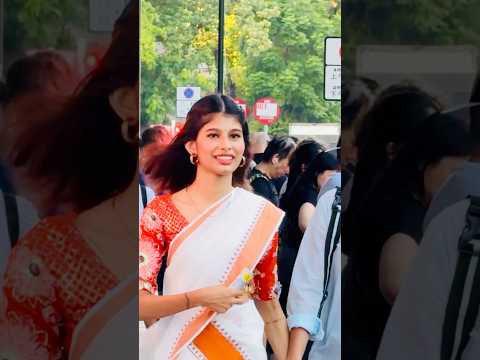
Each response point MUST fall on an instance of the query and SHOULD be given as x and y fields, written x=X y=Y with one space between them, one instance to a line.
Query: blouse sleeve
x=151 y=250
x=265 y=275
x=31 y=318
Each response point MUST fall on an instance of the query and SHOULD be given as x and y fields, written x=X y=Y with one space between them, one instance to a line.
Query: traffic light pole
x=221 y=35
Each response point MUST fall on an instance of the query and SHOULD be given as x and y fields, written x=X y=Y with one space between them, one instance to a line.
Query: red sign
x=266 y=111
x=243 y=105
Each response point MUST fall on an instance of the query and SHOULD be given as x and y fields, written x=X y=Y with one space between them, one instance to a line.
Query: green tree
x=39 y=23
x=272 y=48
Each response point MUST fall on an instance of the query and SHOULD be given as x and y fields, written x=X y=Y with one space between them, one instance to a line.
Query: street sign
x=186 y=97
x=333 y=69
x=188 y=93
x=333 y=51
x=243 y=105
x=333 y=82
x=183 y=107
x=266 y=111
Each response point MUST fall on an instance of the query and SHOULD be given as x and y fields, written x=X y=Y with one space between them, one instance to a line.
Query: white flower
x=151 y=221
x=149 y=259
x=29 y=277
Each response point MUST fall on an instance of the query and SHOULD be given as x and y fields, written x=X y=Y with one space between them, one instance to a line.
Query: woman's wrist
x=194 y=298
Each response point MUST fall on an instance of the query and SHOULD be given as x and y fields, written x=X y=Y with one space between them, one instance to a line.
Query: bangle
x=187 y=300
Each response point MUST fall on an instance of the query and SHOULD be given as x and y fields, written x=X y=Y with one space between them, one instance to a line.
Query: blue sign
x=188 y=93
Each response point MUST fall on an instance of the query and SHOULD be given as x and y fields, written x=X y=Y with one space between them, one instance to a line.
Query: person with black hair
x=389 y=123
x=390 y=229
x=300 y=205
x=71 y=282
x=303 y=155
x=196 y=226
x=274 y=164
x=433 y=317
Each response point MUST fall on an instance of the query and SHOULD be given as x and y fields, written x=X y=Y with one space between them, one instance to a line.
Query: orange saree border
x=261 y=234
x=213 y=345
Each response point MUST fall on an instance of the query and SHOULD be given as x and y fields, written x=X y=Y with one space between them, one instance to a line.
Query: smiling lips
x=225 y=159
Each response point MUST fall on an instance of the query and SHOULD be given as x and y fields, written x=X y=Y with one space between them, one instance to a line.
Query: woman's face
x=436 y=174
x=219 y=145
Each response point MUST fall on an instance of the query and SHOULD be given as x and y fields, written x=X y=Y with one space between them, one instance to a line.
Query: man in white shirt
x=306 y=289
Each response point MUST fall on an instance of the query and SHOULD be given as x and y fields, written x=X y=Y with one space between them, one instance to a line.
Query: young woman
x=219 y=243
x=71 y=277
x=391 y=228
x=300 y=206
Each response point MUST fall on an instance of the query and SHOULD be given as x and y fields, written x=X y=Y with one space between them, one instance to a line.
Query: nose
x=225 y=142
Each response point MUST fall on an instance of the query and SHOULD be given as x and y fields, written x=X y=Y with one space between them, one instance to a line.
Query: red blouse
x=53 y=278
x=161 y=222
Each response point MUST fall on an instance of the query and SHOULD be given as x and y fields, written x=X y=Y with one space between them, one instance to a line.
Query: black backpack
x=455 y=336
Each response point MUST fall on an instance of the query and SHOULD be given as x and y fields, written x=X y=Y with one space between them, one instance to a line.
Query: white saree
x=223 y=243
x=104 y=332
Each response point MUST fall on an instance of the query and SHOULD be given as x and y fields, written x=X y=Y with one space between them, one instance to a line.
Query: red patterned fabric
x=161 y=222
x=53 y=278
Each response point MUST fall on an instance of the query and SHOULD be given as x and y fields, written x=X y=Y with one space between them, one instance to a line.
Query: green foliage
x=272 y=48
x=39 y=23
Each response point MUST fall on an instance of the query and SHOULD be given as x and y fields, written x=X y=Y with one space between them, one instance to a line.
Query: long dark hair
x=439 y=136
x=395 y=115
x=303 y=155
x=322 y=162
x=172 y=169
x=81 y=152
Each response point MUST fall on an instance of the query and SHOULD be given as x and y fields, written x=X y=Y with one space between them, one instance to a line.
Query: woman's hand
x=217 y=298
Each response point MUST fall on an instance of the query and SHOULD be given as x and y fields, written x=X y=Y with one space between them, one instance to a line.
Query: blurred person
x=390 y=229
x=418 y=327
x=310 y=315
x=465 y=181
x=152 y=141
x=45 y=73
x=357 y=98
x=274 y=164
x=282 y=181
x=390 y=122
x=223 y=259
x=300 y=206
x=70 y=286
x=304 y=153
x=258 y=144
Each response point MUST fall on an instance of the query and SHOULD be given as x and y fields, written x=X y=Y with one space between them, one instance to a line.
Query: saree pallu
x=108 y=330
x=224 y=242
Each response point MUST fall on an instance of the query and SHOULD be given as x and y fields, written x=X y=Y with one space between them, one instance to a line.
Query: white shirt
x=414 y=329
x=306 y=287
x=150 y=196
x=27 y=217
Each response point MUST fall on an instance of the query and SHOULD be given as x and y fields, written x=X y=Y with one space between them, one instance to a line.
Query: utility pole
x=2 y=35
x=221 y=35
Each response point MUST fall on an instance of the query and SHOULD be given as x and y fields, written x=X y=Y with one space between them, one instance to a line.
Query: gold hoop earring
x=243 y=162
x=128 y=135
x=194 y=159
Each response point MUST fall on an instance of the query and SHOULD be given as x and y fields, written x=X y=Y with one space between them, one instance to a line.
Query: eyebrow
x=219 y=130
